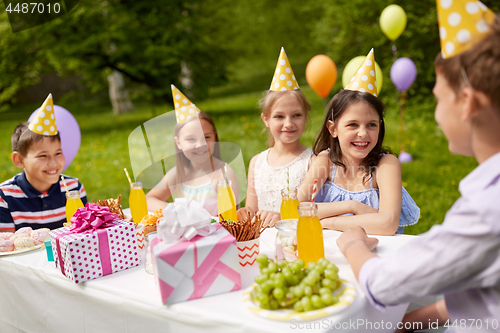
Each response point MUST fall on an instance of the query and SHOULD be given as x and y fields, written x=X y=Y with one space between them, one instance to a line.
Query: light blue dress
x=330 y=192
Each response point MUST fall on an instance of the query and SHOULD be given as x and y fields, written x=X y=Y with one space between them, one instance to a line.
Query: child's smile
x=357 y=131
x=43 y=164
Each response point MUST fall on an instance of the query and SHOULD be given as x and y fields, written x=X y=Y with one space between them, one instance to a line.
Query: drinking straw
x=128 y=177
x=64 y=182
x=315 y=189
x=225 y=175
x=288 y=181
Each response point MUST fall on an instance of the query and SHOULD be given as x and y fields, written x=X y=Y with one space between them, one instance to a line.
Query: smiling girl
x=356 y=175
x=198 y=167
x=284 y=112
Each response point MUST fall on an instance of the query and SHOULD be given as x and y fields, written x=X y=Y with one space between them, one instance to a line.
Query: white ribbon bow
x=183 y=220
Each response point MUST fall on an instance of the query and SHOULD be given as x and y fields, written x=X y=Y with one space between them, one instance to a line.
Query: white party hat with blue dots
x=365 y=79
x=283 y=79
x=184 y=108
x=44 y=122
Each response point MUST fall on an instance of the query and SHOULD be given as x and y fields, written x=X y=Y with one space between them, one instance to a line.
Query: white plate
x=28 y=249
x=346 y=294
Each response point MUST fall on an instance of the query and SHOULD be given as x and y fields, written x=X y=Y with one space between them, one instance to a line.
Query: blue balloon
x=403 y=73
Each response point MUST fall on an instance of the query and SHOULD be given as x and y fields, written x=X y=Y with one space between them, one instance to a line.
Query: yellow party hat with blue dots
x=462 y=23
x=283 y=79
x=365 y=79
x=44 y=122
x=184 y=108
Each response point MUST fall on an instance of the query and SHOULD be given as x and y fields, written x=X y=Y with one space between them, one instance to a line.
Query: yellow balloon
x=353 y=65
x=393 y=21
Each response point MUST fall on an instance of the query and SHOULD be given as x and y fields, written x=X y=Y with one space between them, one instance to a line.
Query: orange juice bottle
x=289 y=204
x=137 y=202
x=309 y=233
x=73 y=202
x=226 y=202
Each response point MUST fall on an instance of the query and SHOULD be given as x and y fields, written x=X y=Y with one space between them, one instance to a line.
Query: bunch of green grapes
x=289 y=285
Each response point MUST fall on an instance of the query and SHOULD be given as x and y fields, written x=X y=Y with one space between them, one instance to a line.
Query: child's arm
x=6 y=220
x=157 y=197
x=357 y=247
x=319 y=170
x=386 y=221
x=251 y=199
x=426 y=315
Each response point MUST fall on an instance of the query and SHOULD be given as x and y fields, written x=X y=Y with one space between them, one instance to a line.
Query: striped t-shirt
x=21 y=205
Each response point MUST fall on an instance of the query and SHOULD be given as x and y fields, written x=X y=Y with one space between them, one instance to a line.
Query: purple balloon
x=68 y=130
x=405 y=157
x=403 y=73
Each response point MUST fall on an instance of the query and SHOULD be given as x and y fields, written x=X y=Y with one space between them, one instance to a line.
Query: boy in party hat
x=36 y=197
x=459 y=258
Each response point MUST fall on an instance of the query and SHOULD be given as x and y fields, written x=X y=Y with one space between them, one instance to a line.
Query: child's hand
x=355 y=235
x=359 y=208
x=269 y=219
x=243 y=213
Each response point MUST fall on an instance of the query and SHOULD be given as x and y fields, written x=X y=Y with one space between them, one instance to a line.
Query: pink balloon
x=68 y=130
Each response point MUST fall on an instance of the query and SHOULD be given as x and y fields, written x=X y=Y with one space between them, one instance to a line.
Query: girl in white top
x=284 y=112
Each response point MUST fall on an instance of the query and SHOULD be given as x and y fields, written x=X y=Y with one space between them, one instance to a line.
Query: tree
x=351 y=28
x=145 y=41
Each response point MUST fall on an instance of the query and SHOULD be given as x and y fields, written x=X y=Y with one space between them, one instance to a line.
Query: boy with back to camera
x=36 y=197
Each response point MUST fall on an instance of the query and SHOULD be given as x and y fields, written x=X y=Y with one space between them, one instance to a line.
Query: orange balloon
x=321 y=74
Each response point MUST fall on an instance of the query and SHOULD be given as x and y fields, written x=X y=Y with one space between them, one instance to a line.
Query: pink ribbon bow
x=92 y=217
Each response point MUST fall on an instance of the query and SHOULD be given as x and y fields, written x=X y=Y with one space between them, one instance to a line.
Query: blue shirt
x=330 y=192
x=21 y=205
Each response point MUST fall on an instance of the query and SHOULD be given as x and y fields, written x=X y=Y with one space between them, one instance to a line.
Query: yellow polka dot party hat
x=283 y=79
x=44 y=122
x=184 y=108
x=365 y=79
x=462 y=23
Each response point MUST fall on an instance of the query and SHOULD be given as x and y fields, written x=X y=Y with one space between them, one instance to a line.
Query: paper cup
x=248 y=251
x=139 y=230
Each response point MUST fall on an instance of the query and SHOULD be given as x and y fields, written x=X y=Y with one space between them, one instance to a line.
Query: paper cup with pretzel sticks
x=247 y=234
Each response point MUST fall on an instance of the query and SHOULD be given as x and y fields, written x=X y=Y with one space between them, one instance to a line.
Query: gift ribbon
x=87 y=220
x=196 y=221
x=205 y=274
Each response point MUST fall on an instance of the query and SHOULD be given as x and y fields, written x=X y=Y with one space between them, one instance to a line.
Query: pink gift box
x=87 y=256
x=198 y=268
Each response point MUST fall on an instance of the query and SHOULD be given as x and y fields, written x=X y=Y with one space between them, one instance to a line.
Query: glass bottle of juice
x=289 y=204
x=73 y=202
x=137 y=202
x=226 y=202
x=309 y=233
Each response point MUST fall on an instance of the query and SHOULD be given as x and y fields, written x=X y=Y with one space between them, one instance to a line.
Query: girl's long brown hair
x=181 y=161
x=336 y=108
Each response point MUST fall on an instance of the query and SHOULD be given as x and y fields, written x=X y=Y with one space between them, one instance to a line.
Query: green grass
x=432 y=178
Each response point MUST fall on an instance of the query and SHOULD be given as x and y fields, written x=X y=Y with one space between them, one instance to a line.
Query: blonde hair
x=271 y=97
x=181 y=161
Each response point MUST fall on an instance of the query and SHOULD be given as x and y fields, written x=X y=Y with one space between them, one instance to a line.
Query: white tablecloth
x=36 y=297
